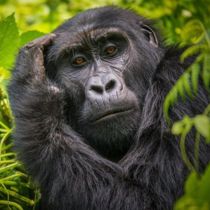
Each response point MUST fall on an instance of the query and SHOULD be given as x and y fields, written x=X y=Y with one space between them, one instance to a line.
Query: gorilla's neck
x=115 y=150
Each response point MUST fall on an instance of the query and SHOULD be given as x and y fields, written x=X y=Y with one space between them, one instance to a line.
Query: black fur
x=56 y=143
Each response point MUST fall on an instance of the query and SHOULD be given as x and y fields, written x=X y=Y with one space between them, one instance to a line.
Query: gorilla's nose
x=103 y=85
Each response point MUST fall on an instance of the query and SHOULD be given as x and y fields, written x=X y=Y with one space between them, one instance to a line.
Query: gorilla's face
x=104 y=71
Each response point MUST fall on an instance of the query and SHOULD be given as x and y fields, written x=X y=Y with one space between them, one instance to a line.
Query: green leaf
x=195 y=76
x=9 y=41
x=205 y=186
x=177 y=128
x=180 y=89
x=183 y=125
x=193 y=31
x=202 y=124
x=168 y=102
x=186 y=83
x=187 y=123
x=197 y=192
x=192 y=185
x=206 y=71
x=166 y=106
x=193 y=50
x=29 y=36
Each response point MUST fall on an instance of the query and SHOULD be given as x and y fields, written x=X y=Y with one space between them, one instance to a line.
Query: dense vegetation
x=183 y=22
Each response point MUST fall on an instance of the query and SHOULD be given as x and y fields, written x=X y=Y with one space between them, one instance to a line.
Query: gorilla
x=88 y=101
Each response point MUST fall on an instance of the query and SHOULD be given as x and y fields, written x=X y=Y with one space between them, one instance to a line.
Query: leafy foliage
x=15 y=186
x=188 y=82
x=197 y=193
x=29 y=36
x=9 y=41
x=16 y=189
x=201 y=123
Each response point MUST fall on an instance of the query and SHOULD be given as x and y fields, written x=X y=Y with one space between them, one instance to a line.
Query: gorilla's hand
x=30 y=61
x=31 y=91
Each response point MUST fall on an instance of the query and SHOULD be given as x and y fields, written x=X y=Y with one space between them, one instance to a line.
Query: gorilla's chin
x=108 y=133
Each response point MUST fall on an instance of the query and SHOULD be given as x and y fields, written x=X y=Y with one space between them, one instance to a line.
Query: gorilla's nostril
x=110 y=85
x=96 y=88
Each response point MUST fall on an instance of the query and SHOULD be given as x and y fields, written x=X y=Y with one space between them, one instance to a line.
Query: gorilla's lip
x=111 y=113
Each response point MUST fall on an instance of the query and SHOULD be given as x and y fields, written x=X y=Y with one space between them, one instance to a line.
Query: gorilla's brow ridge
x=86 y=38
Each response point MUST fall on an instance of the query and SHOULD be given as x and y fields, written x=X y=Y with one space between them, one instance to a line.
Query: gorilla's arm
x=53 y=153
x=155 y=160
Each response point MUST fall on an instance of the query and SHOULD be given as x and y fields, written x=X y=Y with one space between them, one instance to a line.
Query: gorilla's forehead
x=86 y=37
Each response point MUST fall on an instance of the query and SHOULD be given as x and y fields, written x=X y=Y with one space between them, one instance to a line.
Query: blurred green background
x=180 y=22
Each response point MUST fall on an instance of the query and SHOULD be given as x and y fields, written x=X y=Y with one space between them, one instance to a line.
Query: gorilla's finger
x=42 y=41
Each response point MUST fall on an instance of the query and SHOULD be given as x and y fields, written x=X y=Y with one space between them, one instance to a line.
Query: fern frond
x=193 y=31
x=185 y=82
x=193 y=50
x=171 y=98
x=186 y=85
x=195 y=76
x=206 y=71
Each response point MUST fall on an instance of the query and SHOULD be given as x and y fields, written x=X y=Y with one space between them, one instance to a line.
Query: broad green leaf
x=197 y=192
x=205 y=186
x=29 y=36
x=202 y=124
x=192 y=185
x=9 y=41
x=185 y=203
x=4 y=74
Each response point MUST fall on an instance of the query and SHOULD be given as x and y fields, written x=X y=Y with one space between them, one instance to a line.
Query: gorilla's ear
x=150 y=35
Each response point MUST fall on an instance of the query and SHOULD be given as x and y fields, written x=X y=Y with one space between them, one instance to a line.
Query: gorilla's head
x=105 y=59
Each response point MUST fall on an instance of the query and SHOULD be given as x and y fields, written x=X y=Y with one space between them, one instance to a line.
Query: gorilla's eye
x=79 y=61
x=110 y=50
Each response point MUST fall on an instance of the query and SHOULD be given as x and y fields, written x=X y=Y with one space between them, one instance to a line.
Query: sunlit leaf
x=186 y=83
x=206 y=71
x=193 y=50
x=29 y=36
x=205 y=187
x=202 y=124
x=177 y=128
x=197 y=193
x=9 y=41
x=180 y=90
x=195 y=76
x=193 y=31
x=192 y=185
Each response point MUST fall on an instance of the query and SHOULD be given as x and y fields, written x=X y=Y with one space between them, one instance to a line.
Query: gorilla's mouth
x=110 y=114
